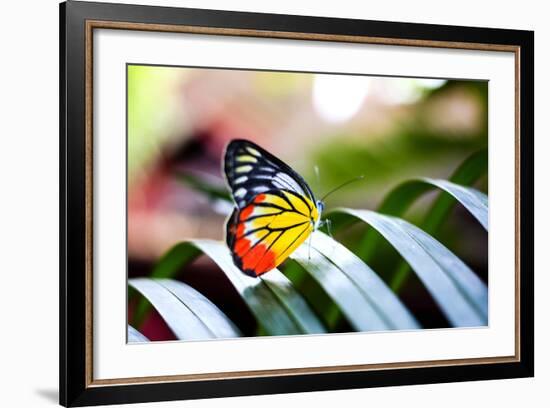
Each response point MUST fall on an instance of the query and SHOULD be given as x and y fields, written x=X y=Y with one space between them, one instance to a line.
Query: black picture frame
x=76 y=389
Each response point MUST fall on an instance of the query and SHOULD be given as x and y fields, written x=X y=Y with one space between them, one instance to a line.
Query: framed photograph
x=256 y=203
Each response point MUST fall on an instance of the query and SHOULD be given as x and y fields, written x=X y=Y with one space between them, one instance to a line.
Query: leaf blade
x=180 y=319
x=208 y=313
x=360 y=313
x=471 y=170
x=259 y=296
x=421 y=251
x=467 y=281
x=135 y=336
x=473 y=200
x=476 y=202
x=402 y=197
x=296 y=305
x=369 y=283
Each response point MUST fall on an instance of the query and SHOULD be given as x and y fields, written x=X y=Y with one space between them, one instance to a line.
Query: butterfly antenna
x=353 y=180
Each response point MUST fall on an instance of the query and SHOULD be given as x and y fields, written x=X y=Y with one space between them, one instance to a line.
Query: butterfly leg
x=328 y=223
x=309 y=248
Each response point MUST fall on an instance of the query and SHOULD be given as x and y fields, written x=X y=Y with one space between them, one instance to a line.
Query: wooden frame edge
x=102 y=24
x=290 y=35
x=232 y=375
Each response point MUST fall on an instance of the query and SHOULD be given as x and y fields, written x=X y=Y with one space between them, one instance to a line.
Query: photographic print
x=259 y=204
x=265 y=203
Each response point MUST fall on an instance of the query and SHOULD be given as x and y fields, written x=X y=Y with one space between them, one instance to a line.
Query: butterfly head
x=316 y=215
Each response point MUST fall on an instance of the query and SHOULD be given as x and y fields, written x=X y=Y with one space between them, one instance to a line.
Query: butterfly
x=275 y=211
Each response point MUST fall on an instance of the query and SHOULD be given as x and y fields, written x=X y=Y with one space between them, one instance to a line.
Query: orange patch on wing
x=240 y=230
x=259 y=198
x=266 y=264
x=259 y=260
x=242 y=246
x=245 y=212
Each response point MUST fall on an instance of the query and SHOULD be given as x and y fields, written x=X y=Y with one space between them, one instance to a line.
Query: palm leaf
x=181 y=319
x=209 y=314
x=470 y=171
x=403 y=196
x=135 y=337
x=461 y=295
x=277 y=306
x=362 y=296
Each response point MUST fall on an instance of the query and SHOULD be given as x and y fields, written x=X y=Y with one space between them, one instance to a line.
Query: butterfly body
x=275 y=208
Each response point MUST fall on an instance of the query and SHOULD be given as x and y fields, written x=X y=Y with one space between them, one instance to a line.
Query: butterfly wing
x=251 y=170
x=275 y=211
